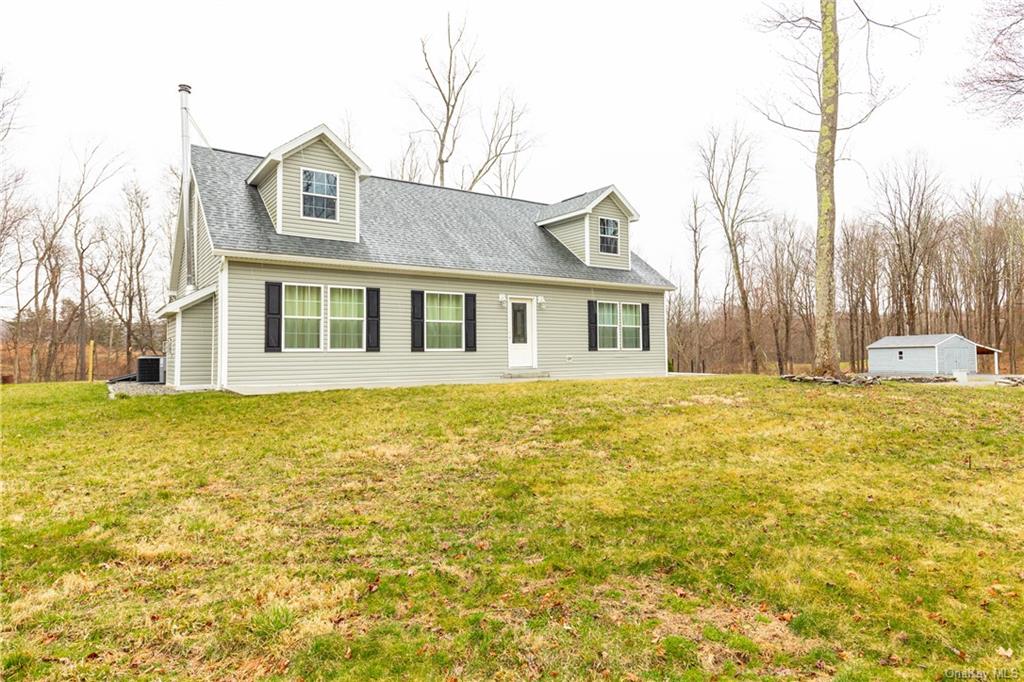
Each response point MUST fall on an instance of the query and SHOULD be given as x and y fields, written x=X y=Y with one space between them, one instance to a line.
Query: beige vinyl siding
x=170 y=351
x=561 y=333
x=197 y=344
x=214 y=354
x=609 y=209
x=571 y=233
x=205 y=263
x=268 y=191
x=317 y=155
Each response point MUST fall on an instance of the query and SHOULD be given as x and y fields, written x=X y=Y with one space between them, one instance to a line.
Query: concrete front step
x=526 y=374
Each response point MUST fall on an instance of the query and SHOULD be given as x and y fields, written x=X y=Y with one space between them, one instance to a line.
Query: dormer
x=310 y=186
x=594 y=226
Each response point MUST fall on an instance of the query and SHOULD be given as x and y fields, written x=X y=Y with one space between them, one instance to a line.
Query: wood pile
x=940 y=379
x=1011 y=381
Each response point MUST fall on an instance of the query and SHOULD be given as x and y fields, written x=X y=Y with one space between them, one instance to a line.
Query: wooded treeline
x=925 y=259
x=79 y=278
x=75 y=275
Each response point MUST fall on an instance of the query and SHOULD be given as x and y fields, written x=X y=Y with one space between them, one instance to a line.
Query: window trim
x=618 y=326
x=461 y=323
x=639 y=327
x=337 y=195
x=331 y=288
x=601 y=219
x=284 y=317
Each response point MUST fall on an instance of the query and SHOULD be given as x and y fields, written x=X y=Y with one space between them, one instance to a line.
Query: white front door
x=522 y=332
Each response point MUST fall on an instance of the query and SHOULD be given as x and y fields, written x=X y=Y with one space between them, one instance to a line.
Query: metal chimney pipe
x=186 y=205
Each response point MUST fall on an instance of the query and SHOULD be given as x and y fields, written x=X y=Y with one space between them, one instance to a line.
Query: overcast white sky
x=617 y=93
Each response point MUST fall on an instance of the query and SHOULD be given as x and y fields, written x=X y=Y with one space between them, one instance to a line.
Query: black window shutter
x=417 y=320
x=372 y=320
x=272 y=323
x=469 y=312
x=592 y=324
x=645 y=322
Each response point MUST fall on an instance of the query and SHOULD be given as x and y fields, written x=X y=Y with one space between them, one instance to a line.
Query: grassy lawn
x=651 y=529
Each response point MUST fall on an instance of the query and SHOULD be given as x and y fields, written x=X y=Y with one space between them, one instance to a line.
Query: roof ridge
x=422 y=184
x=457 y=189
x=228 y=151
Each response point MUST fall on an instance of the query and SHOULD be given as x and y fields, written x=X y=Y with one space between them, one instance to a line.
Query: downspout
x=186 y=203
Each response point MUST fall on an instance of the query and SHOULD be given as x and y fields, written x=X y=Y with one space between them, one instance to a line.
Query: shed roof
x=913 y=341
x=925 y=341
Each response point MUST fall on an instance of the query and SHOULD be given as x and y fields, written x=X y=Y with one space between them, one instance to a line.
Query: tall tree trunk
x=80 y=360
x=826 y=341
x=750 y=347
x=696 y=318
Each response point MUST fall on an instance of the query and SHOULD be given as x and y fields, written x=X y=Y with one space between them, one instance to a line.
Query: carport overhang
x=989 y=350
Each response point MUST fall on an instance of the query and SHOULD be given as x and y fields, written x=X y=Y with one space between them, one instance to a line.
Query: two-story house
x=301 y=270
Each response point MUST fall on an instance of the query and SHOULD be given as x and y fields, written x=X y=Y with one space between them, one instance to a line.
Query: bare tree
x=409 y=167
x=495 y=164
x=778 y=258
x=995 y=83
x=14 y=210
x=816 y=73
x=121 y=272
x=50 y=258
x=727 y=168
x=84 y=240
x=861 y=255
x=503 y=140
x=695 y=227
x=910 y=212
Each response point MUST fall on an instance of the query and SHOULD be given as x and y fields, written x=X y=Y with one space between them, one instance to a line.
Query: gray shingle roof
x=402 y=223
x=915 y=341
x=570 y=205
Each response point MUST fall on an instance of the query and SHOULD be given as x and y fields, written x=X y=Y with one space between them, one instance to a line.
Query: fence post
x=89 y=361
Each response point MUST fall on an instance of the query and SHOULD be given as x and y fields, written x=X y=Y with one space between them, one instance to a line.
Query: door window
x=519 y=323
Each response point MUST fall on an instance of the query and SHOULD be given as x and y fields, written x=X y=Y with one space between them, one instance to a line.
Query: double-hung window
x=607 y=325
x=347 y=318
x=609 y=235
x=444 y=321
x=302 y=316
x=631 y=326
x=319 y=195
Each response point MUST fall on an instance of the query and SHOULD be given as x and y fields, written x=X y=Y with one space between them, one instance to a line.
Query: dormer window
x=319 y=195
x=609 y=235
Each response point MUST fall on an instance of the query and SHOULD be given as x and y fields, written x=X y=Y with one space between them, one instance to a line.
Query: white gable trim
x=185 y=302
x=302 y=140
x=179 y=235
x=280 y=199
x=631 y=213
x=586 y=239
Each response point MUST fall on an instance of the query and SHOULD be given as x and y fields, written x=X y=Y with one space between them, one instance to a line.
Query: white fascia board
x=631 y=217
x=186 y=302
x=312 y=261
x=321 y=130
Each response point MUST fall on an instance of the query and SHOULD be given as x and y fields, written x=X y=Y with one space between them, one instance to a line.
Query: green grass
x=688 y=529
